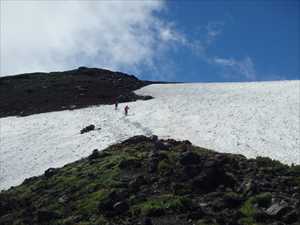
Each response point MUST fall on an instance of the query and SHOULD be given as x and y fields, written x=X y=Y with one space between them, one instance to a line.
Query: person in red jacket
x=126 y=110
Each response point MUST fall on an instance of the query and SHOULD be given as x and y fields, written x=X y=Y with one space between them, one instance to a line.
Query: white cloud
x=225 y=62
x=57 y=35
x=118 y=35
x=244 y=68
x=170 y=34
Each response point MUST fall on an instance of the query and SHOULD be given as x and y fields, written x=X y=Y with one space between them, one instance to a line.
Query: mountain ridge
x=32 y=93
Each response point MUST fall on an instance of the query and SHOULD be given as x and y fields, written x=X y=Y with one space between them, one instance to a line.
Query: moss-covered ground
x=149 y=181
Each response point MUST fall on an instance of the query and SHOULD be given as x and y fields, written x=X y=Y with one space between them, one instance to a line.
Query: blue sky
x=265 y=32
x=191 y=41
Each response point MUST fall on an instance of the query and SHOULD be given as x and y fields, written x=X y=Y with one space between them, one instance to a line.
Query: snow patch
x=253 y=119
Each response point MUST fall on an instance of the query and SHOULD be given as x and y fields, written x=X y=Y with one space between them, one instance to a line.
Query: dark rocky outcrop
x=148 y=181
x=32 y=93
x=87 y=129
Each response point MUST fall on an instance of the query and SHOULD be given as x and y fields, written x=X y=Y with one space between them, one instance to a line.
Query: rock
x=211 y=178
x=130 y=164
x=232 y=200
x=63 y=199
x=6 y=204
x=46 y=216
x=30 y=180
x=94 y=155
x=87 y=129
x=191 y=171
x=291 y=217
x=278 y=209
x=229 y=180
x=154 y=158
x=180 y=188
x=248 y=187
x=154 y=138
x=122 y=193
x=155 y=212
x=161 y=145
x=105 y=206
x=136 y=183
x=136 y=139
x=82 y=68
x=152 y=165
x=7 y=219
x=186 y=146
x=260 y=216
x=197 y=213
x=189 y=158
x=50 y=172
x=145 y=97
x=158 y=155
x=120 y=207
x=147 y=221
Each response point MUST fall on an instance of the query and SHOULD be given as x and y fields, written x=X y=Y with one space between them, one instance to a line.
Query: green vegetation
x=160 y=205
x=270 y=163
x=248 y=209
x=134 y=180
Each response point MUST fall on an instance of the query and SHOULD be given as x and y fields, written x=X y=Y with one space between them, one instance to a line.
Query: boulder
x=87 y=129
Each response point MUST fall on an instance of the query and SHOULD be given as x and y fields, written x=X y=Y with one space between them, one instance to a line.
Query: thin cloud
x=213 y=29
x=244 y=68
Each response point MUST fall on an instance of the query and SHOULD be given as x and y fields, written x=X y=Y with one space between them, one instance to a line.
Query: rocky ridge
x=148 y=181
x=32 y=93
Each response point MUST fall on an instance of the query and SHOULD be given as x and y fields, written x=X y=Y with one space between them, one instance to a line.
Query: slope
x=253 y=119
x=32 y=93
x=148 y=181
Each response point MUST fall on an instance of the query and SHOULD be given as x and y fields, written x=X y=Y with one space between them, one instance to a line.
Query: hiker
x=126 y=110
x=116 y=104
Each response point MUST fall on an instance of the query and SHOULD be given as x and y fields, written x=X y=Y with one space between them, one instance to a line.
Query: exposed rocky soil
x=32 y=93
x=161 y=182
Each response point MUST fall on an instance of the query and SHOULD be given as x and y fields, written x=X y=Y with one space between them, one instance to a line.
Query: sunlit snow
x=246 y=118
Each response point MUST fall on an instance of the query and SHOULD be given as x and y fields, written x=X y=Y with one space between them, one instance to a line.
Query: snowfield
x=253 y=119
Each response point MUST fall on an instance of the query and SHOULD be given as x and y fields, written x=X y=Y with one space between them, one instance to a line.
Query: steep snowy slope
x=248 y=118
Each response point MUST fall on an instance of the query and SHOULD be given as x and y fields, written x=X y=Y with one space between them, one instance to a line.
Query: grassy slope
x=144 y=180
